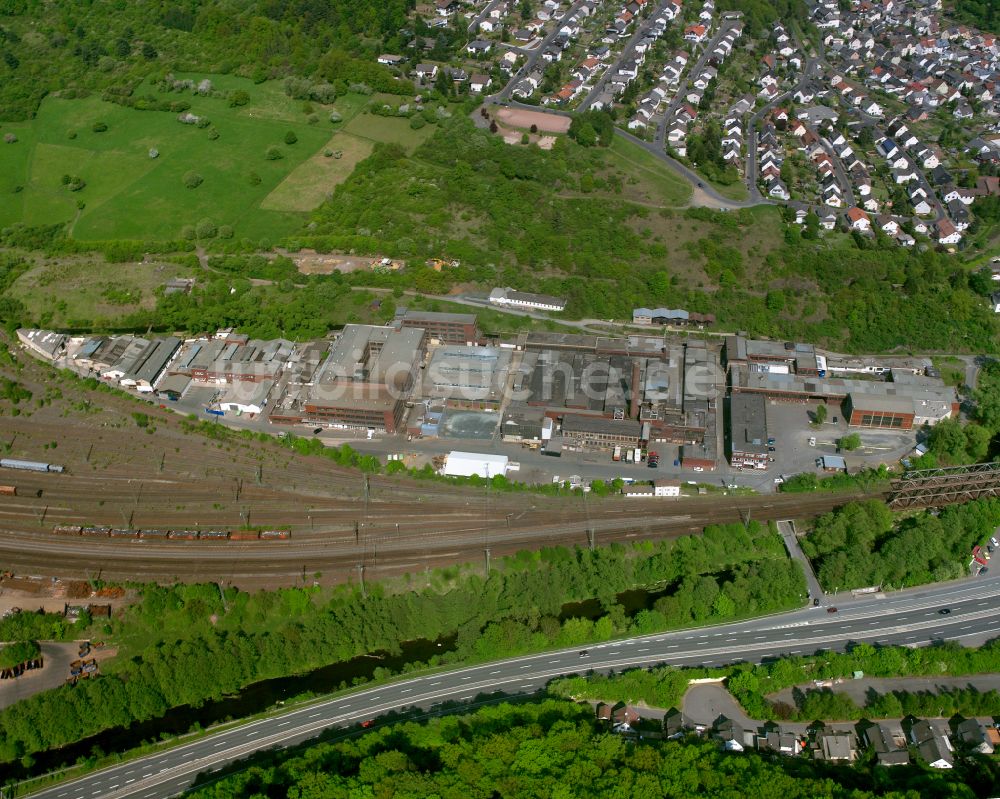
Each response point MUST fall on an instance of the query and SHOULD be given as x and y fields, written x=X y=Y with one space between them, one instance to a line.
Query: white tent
x=466 y=464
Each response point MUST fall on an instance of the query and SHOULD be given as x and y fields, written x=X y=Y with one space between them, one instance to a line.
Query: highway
x=910 y=617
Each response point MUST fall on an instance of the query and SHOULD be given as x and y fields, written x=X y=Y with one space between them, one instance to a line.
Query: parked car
x=831 y=610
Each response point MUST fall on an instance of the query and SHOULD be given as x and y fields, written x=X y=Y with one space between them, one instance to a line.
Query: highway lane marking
x=838 y=636
x=218 y=744
x=495 y=672
x=314 y=715
x=405 y=690
x=439 y=681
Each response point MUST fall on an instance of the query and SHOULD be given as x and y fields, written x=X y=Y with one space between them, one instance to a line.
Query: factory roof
x=748 y=423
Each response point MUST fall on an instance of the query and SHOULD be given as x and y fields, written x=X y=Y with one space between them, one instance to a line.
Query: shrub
x=290 y=137
x=154 y=153
x=193 y=180
x=206 y=229
x=238 y=98
x=213 y=134
x=99 y=127
x=203 y=123
x=225 y=231
x=9 y=138
x=313 y=119
x=417 y=122
x=188 y=233
x=524 y=138
x=254 y=179
x=336 y=116
x=273 y=154
x=71 y=134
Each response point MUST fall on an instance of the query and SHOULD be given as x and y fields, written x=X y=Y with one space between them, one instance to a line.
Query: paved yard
x=53 y=674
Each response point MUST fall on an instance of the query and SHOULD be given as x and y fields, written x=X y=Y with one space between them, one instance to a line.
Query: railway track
x=390 y=537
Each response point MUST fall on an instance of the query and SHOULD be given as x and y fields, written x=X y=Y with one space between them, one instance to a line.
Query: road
x=641 y=28
x=685 y=84
x=474 y=25
x=787 y=530
x=909 y=618
x=532 y=58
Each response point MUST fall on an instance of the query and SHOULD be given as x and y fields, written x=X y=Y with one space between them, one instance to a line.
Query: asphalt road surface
x=910 y=618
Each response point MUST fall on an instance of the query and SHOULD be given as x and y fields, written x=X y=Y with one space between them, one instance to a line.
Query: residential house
x=858 y=220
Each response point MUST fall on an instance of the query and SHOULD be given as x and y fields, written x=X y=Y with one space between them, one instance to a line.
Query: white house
x=667 y=488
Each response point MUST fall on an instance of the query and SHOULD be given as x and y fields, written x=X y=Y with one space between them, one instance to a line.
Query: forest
x=189 y=643
x=863 y=544
x=64 y=45
x=555 y=749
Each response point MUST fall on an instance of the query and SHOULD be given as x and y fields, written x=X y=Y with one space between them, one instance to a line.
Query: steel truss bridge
x=924 y=488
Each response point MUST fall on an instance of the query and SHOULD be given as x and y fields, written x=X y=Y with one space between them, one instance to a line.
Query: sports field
x=129 y=195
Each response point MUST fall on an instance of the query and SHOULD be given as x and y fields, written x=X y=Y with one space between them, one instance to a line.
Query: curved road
x=910 y=618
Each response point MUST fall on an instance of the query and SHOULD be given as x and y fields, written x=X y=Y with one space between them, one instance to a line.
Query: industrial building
x=467 y=377
x=747 y=437
x=364 y=381
x=508 y=297
x=446 y=328
x=44 y=343
x=677 y=317
x=222 y=361
x=925 y=401
x=246 y=397
x=893 y=413
x=801 y=359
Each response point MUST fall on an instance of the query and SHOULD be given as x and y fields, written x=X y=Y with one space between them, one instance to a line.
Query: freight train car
x=67 y=529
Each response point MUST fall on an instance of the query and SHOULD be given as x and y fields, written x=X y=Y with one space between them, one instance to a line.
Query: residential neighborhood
x=879 y=119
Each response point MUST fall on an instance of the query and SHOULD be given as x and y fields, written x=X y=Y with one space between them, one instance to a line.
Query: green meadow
x=129 y=195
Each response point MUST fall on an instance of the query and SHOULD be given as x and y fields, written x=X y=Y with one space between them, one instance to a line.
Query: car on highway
x=816 y=602
x=779 y=480
x=831 y=610
x=771 y=449
x=944 y=611
x=368 y=723
x=984 y=570
x=584 y=653
x=317 y=431
x=993 y=540
x=698 y=469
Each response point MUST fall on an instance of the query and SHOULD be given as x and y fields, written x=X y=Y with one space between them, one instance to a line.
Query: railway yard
x=157 y=475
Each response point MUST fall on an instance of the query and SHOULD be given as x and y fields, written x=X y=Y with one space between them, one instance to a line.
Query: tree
x=290 y=137
x=273 y=154
x=238 y=97
x=850 y=442
x=193 y=180
x=148 y=51
x=206 y=229
x=99 y=127
x=820 y=414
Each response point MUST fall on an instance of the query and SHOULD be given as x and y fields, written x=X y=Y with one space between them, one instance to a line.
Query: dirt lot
x=310 y=262
x=522 y=118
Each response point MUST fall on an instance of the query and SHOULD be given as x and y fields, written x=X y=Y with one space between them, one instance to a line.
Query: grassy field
x=654 y=180
x=310 y=182
x=389 y=129
x=129 y=195
x=70 y=290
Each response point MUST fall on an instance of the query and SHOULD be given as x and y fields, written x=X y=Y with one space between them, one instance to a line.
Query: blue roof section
x=888 y=146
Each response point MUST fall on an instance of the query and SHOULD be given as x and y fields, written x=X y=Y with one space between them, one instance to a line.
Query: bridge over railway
x=924 y=488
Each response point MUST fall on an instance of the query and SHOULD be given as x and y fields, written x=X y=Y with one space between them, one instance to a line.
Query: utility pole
x=487 y=551
x=361 y=578
x=239 y=487
x=260 y=474
x=591 y=536
x=163 y=458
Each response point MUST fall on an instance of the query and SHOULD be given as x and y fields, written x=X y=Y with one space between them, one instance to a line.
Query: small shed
x=833 y=463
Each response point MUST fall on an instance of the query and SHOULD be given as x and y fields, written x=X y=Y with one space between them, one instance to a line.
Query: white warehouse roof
x=466 y=464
